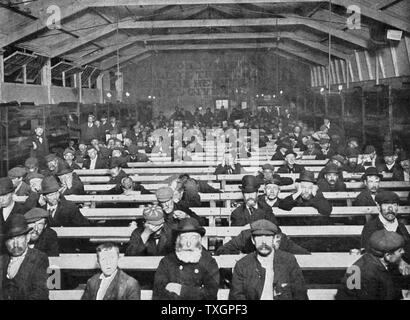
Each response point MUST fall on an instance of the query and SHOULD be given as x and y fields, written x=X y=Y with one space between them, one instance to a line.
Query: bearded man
x=189 y=273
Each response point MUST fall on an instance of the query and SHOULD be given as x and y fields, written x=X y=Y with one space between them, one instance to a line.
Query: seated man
x=23 y=271
x=388 y=205
x=8 y=207
x=54 y=165
x=70 y=182
x=311 y=149
x=281 y=149
x=117 y=174
x=31 y=165
x=94 y=161
x=189 y=273
x=270 y=199
x=242 y=243
x=42 y=237
x=267 y=273
x=308 y=195
x=372 y=275
x=63 y=213
x=203 y=186
x=130 y=187
x=325 y=152
x=291 y=166
x=69 y=155
x=111 y=283
x=339 y=161
x=174 y=212
x=228 y=166
x=371 y=179
x=17 y=176
x=404 y=174
x=153 y=238
x=249 y=210
x=331 y=181
x=352 y=166
x=389 y=165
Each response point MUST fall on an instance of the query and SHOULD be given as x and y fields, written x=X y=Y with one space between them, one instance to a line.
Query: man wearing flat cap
x=31 y=165
x=54 y=165
x=174 y=212
x=17 y=175
x=267 y=273
x=242 y=243
x=372 y=273
x=154 y=238
x=190 y=272
x=23 y=271
x=290 y=166
x=70 y=182
x=69 y=155
x=249 y=210
x=42 y=237
x=388 y=205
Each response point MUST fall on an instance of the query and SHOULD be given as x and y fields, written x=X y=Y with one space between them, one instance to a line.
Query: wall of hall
x=194 y=79
x=38 y=94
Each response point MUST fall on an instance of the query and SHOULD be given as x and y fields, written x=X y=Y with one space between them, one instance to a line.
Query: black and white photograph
x=204 y=150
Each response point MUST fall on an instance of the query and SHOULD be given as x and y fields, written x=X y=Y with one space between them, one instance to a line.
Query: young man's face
x=108 y=261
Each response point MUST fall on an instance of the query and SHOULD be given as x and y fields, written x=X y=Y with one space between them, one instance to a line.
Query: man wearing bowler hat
x=63 y=213
x=249 y=210
x=308 y=195
x=190 y=272
x=267 y=273
x=17 y=175
x=372 y=276
x=282 y=147
x=388 y=205
x=94 y=160
x=339 y=161
x=291 y=166
x=352 y=166
x=154 y=238
x=42 y=237
x=174 y=212
x=23 y=271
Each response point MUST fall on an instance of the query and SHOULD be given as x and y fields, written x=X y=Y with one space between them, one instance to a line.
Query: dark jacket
x=30 y=282
x=48 y=243
x=278 y=156
x=241 y=215
x=249 y=278
x=242 y=243
x=375 y=224
x=364 y=199
x=67 y=215
x=286 y=169
x=357 y=168
x=319 y=202
x=87 y=134
x=122 y=287
x=137 y=248
x=376 y=282
x=199 y=281
x=100 y=164
x=171 y=221
x=77 y=187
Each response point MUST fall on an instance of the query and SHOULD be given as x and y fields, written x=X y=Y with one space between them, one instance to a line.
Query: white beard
x=189 y=256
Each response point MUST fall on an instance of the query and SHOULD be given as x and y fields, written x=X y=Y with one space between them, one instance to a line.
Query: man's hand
x=174 y=287
x=298 y=191
x=42 y=200
x=179 y=215
x=314 y=190
x=404 y=268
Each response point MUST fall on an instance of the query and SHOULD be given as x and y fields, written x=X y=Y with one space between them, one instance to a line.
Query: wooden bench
x=123 y=234
x=213 y=213
x=223 y=294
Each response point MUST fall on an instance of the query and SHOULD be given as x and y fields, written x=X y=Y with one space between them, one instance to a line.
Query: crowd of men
x=170 y=228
